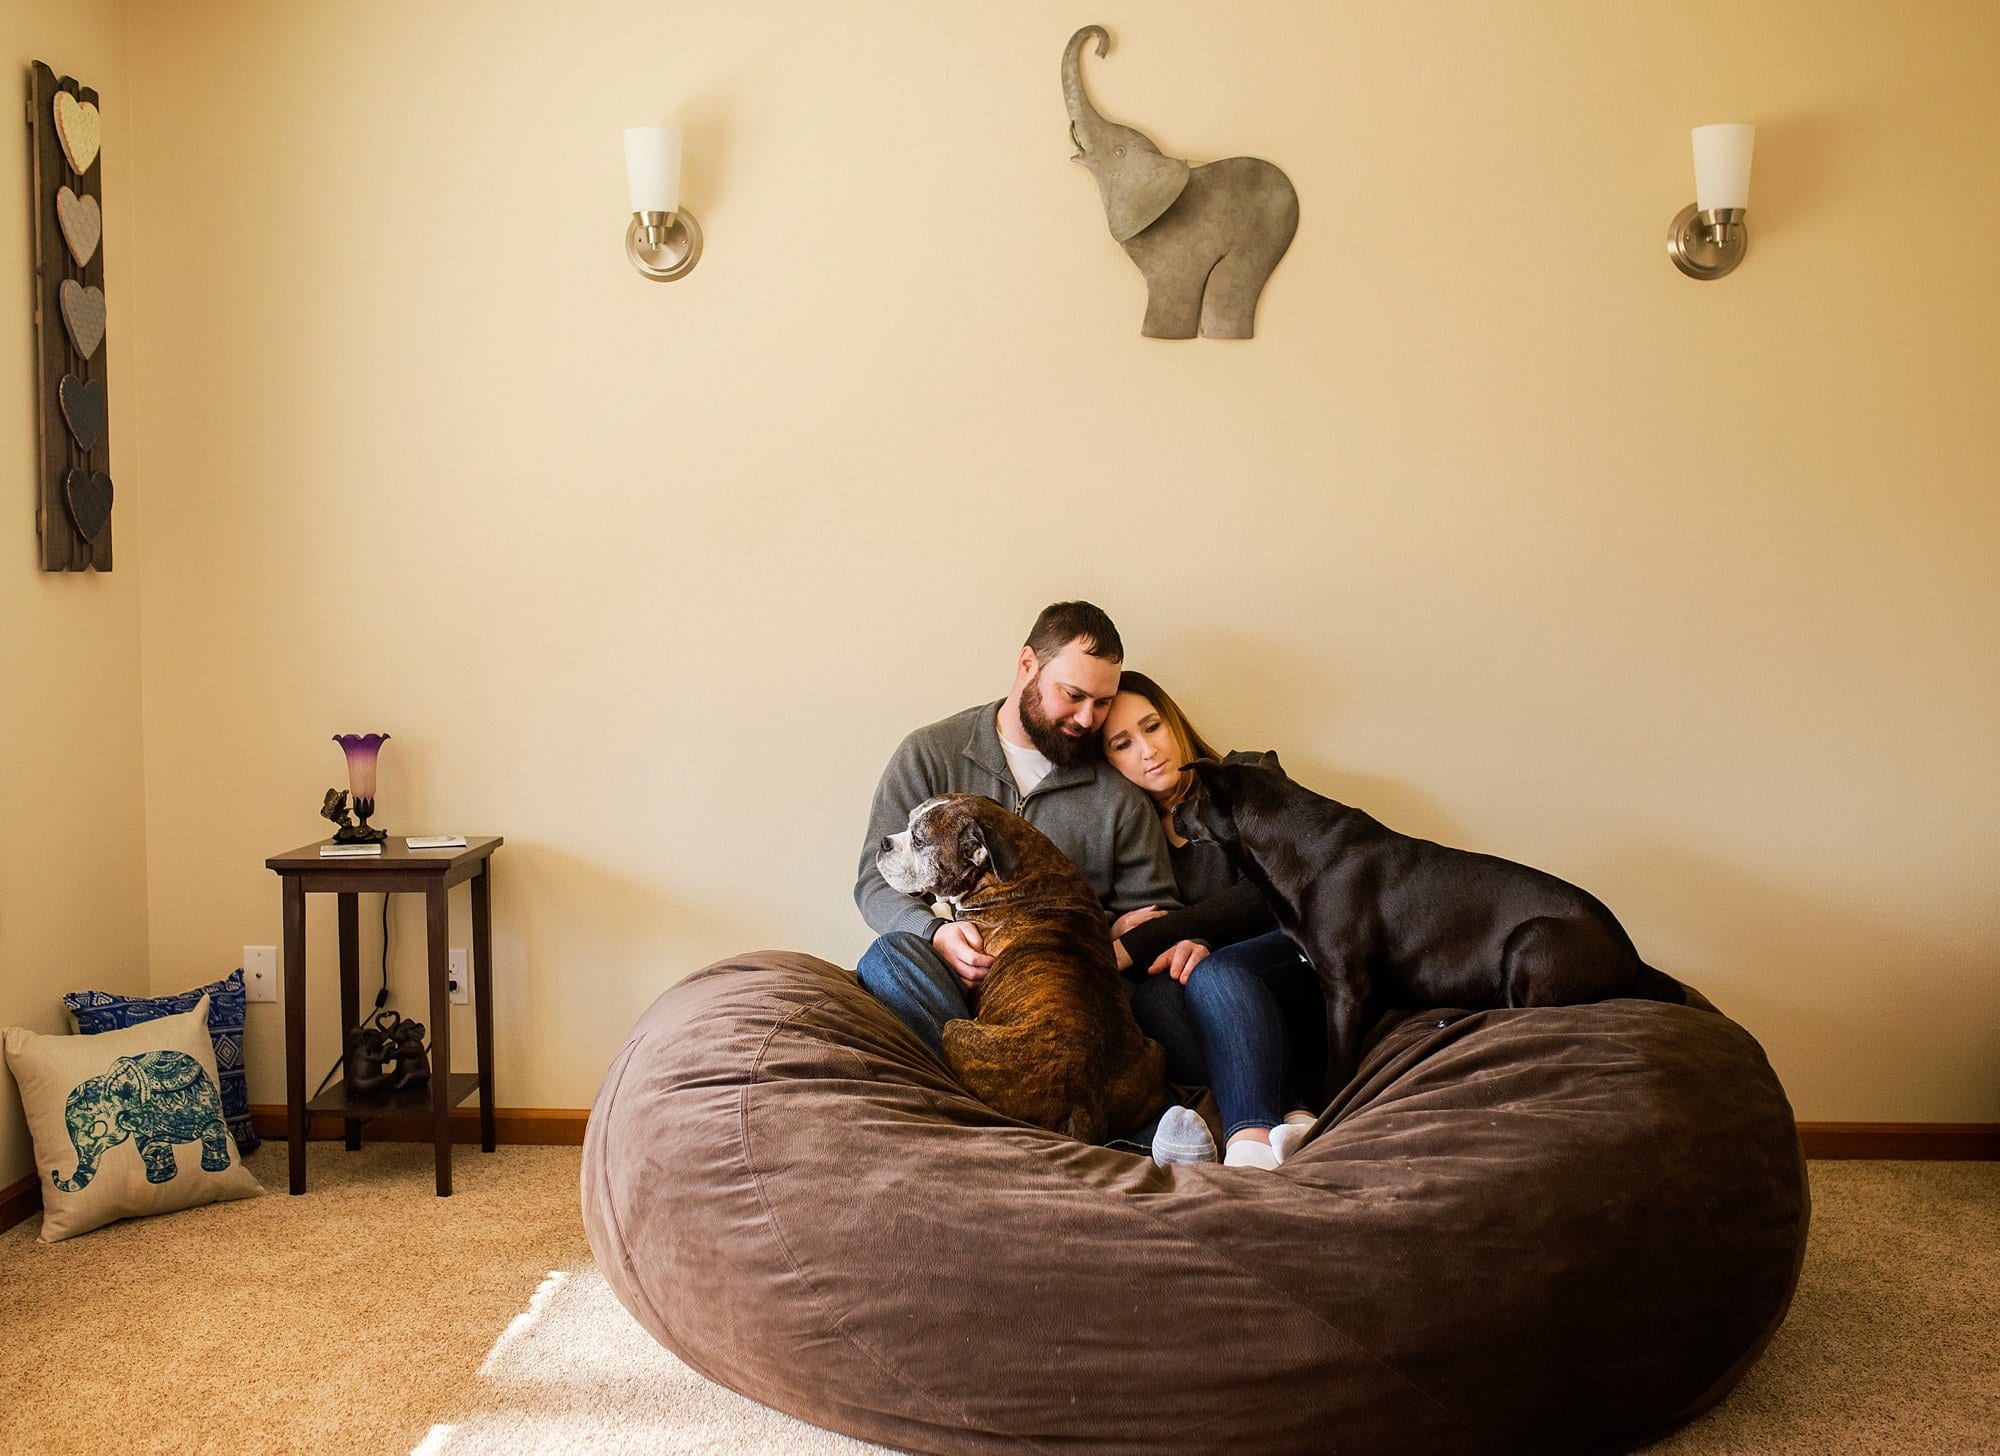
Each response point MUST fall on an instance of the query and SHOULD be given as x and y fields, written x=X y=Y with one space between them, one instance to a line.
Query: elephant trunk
x=86 y=1169
x=1082 y=114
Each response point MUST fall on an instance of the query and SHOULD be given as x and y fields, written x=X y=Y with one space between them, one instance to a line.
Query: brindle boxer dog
x=1054 y=1042
x=1391 y=921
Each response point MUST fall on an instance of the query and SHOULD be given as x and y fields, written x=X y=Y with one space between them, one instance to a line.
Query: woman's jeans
x=1260 y=1016
x=1235 y=1025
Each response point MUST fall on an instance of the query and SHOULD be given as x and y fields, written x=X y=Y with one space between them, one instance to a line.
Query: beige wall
x=1501 y=527
x=72 y=799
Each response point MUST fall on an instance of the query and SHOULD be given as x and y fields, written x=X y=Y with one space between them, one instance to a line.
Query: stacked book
x=335 y=850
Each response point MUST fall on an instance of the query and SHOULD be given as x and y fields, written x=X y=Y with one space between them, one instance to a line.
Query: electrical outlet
x=461 y=993
x=260 y=973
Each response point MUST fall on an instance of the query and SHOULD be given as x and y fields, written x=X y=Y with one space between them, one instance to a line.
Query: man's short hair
x=1062 y=623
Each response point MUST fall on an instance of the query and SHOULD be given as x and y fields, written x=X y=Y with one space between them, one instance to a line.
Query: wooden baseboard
x=1902 y=1141
x=20 y=1200
x=563 y=1127
x=524 y=1126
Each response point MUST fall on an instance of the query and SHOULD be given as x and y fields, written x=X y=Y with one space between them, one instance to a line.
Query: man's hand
x=959 y=943
x=1179 y=960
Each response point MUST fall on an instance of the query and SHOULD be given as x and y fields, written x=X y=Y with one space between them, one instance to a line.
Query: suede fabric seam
x=607 y=1095
x=1289 y=1298
x=837 y=1323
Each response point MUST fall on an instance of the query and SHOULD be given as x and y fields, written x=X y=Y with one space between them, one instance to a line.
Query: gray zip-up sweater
x=1102 y=821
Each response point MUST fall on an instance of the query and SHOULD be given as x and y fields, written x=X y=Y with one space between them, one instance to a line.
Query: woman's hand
x=1179 y=960
x=1134 y=917
x=1125 y=922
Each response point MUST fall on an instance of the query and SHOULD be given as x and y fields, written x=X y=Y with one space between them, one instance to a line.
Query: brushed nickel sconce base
x=664 y=246
x=1691 y=241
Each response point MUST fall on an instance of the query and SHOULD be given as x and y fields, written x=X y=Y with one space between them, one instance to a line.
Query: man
x=1036 y=752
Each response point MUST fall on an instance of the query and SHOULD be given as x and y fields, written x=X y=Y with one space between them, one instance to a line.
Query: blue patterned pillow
x=96 y=1011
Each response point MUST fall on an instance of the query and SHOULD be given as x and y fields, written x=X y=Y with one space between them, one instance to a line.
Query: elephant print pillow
x=126 y=1122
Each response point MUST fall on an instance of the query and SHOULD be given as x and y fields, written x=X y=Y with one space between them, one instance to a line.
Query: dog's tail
x=1652 y=985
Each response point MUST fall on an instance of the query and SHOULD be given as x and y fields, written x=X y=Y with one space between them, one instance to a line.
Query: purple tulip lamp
x=361 y=750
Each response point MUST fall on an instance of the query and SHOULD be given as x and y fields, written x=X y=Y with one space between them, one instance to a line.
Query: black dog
x=1387 y=920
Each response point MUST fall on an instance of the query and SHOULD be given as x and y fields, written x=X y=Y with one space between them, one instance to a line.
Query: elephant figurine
x=157 y=1099
x=1205 y=237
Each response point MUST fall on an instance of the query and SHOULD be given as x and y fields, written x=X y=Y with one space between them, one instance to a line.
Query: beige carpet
x=370 y=1316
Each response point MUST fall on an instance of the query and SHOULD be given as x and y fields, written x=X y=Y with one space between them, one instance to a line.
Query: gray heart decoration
x=89 y=496
x=82 y=224
x=83 y=406
x=83 y=315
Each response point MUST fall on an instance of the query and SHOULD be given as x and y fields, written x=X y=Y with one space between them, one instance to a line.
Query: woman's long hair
x=1193 y=745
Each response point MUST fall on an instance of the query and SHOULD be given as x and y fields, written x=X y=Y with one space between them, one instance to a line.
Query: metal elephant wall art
x=1205 y=237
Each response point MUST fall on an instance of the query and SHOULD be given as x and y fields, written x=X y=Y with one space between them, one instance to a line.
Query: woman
x=1247 y=987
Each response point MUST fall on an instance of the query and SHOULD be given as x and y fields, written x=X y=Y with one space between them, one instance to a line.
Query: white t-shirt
x=1028 y=765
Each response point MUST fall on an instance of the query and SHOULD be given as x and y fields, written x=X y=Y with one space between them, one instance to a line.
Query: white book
x=348 y=851
x=435 y=841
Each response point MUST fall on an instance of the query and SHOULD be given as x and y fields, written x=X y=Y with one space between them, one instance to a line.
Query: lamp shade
x=1722 y=165
x=361 y=750
x=653 y=167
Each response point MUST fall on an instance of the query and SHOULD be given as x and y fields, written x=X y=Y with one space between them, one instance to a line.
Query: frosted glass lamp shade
x=1722 y=166
x=361 y=750
x=653 y=167
x=662 y=239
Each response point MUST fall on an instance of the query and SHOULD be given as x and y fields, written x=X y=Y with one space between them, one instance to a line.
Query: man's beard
x=1060 y=748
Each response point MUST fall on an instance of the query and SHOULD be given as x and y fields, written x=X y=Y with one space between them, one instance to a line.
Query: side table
x=431 y=872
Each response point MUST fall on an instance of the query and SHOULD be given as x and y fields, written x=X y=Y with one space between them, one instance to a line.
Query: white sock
x=1249 y=1153
x=1287 y=1135
x=1182 y=1137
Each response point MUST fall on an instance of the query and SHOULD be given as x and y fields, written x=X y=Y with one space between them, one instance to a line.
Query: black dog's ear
x=1265 y=758
x=991 y=852
x=1210 y=778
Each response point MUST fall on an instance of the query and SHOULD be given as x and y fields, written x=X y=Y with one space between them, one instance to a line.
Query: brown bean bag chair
x=1551 y=1230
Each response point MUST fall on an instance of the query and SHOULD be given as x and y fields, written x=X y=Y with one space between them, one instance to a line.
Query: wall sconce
x=1708 y=238
x=664 y=240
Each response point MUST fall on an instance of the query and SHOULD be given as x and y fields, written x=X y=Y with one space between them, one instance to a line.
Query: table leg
x=438 y=924
x=350 y=999
x=295 y=1026
x=482 y=994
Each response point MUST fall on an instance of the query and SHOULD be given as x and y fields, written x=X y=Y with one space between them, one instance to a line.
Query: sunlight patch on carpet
x=522 y=1323
x=434 y=1442
x=574 y=1372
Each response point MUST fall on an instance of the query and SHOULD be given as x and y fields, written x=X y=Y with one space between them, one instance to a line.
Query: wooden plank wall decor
x=73 y=423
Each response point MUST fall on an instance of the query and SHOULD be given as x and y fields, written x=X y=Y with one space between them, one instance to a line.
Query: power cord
x=381 y=1000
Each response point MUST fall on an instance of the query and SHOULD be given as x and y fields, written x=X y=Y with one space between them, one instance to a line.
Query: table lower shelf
x=337 y=1101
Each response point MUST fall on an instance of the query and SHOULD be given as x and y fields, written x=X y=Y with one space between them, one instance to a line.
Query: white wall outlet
x=260 y=973
x=457 y=977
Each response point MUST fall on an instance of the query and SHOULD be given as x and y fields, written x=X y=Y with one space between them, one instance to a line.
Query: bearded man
x=1037 y=752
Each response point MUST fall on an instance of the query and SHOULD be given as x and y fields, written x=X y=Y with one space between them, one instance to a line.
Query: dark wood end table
x=430 y=872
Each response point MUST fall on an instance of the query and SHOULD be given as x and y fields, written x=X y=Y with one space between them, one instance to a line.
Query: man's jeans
x=906 y=974
x=1249 y=1022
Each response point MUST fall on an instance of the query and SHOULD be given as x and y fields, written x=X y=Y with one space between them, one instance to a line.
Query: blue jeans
x=1256 y=1006
x=906 y=974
